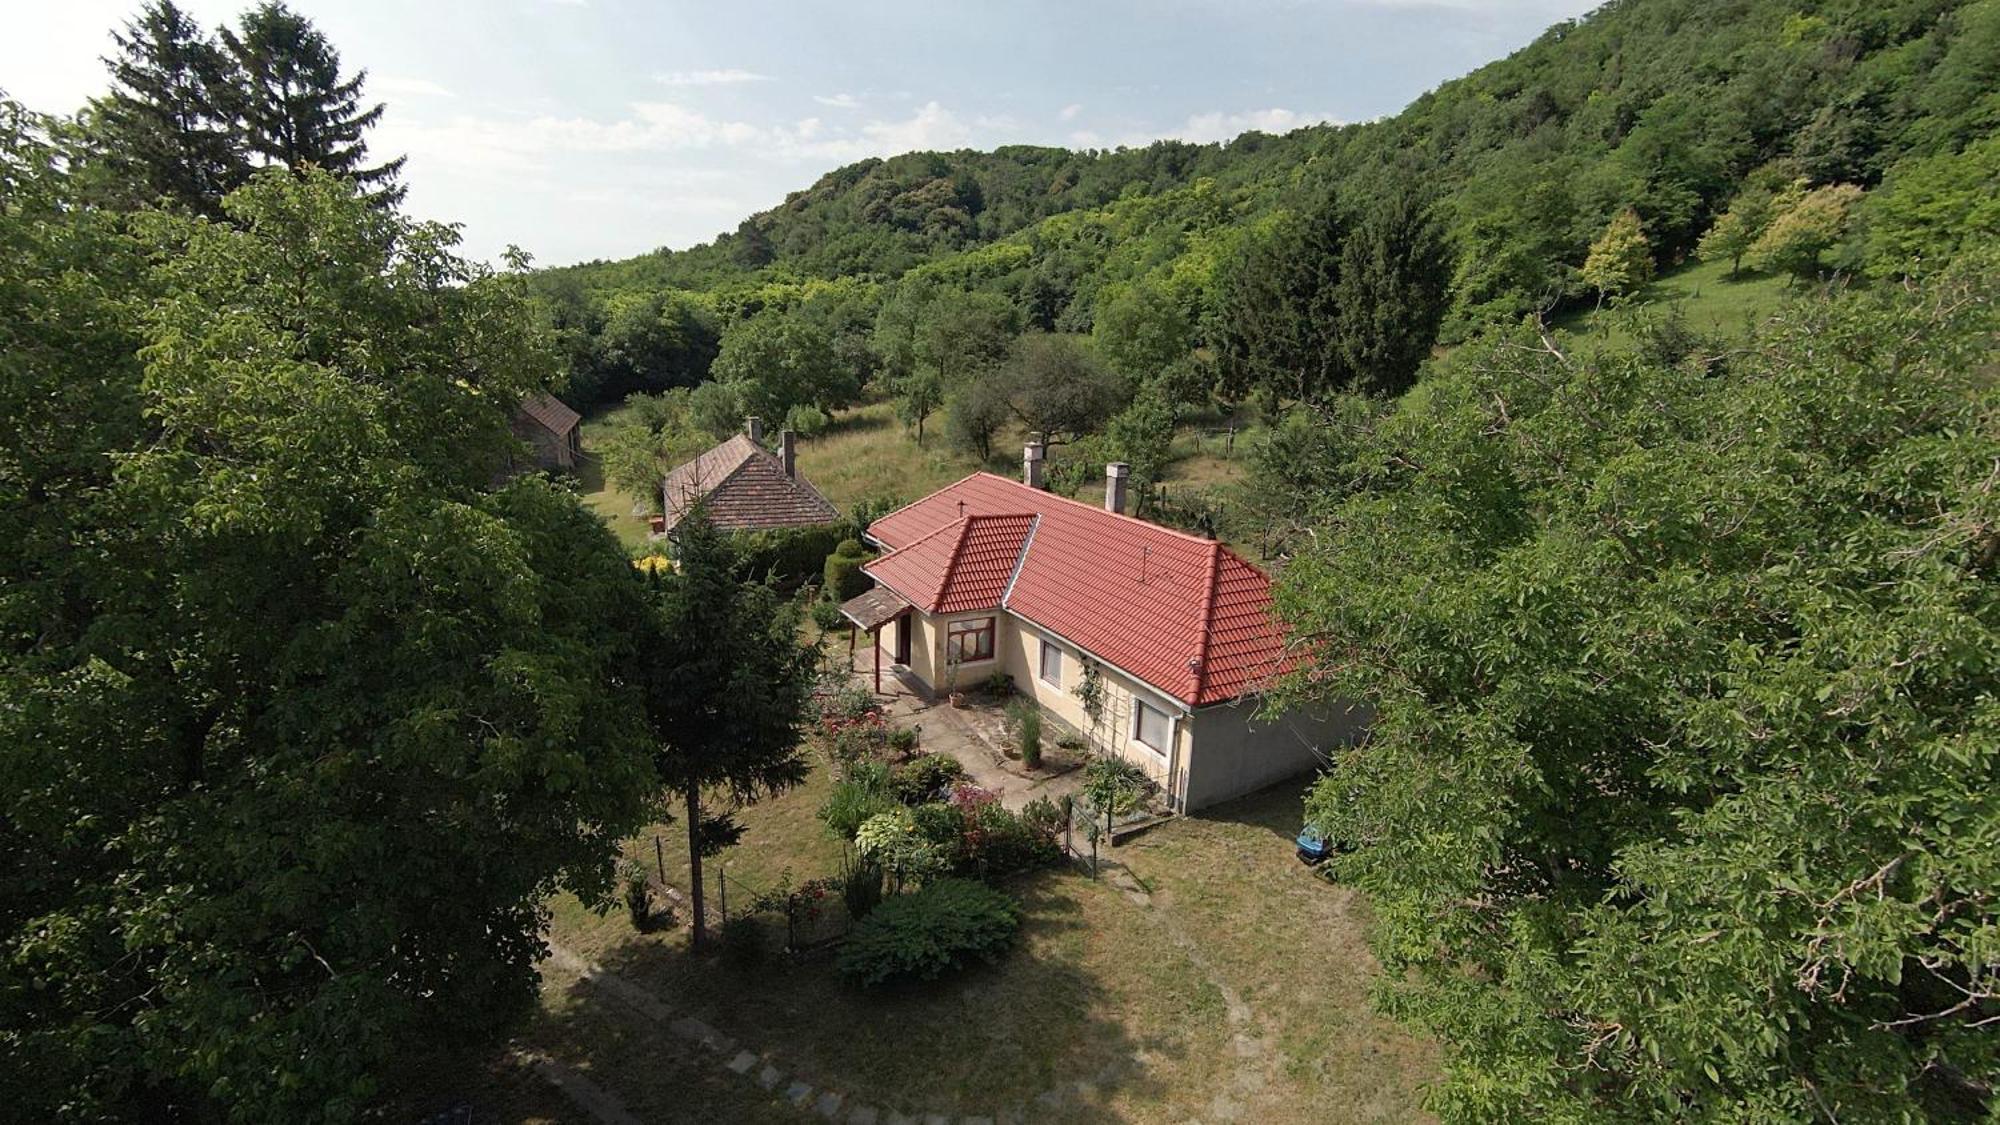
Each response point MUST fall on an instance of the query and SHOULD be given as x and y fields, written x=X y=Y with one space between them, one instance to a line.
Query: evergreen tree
x=1621 y=260
x=297 y=109
x=168 y=128
x=1279 y=313
x=1394 y=272
x=726 y=682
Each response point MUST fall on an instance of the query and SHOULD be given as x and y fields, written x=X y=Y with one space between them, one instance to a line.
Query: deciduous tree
x=1621 y=260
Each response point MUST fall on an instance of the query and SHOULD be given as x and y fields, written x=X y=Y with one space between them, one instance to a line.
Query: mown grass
x=1094 y=979
x=1712 y=302
x=624 y=514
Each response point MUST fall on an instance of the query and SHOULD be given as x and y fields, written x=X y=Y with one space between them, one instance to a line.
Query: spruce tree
x=297 y=109
x=1394 y=270
x=168 y=128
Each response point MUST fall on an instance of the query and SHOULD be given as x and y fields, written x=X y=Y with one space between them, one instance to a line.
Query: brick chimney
x=788 y=452
x=754 y=426
x=1114 y=486
x=1031 y=462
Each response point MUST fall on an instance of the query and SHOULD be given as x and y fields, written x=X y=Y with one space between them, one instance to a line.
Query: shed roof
x=551 y=413
x=745 y=488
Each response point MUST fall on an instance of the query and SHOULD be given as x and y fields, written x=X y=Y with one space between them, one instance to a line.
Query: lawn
x=1126 y=998
x=1711 y=300
x=620 y=511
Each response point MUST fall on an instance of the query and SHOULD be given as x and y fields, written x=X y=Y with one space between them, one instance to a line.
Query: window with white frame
x=1149 y=726
x=1051 y=664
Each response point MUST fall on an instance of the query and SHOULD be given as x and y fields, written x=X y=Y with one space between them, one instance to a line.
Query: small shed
x=552 y=430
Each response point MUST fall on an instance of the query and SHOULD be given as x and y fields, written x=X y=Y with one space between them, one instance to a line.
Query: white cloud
x=411 y=87
x=1203 y=128
x=1069 y=112
x=728 y=76
x=838 y=101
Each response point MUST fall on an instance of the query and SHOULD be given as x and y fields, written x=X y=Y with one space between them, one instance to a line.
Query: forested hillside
x=1659 y=111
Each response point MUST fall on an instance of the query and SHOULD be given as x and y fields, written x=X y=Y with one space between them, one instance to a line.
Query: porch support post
x=877 y=634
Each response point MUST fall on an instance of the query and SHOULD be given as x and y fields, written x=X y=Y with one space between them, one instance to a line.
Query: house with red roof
x=1173 y=633
x=744 y=487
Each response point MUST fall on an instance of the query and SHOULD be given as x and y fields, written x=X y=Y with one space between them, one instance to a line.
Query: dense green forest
x=1680 y=799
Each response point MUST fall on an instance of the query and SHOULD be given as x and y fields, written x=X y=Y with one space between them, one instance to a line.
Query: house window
x=967 y=641
x=1051 y=664
x=1149 y=726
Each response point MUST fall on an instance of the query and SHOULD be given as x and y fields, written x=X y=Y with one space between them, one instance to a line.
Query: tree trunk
x=700 y=934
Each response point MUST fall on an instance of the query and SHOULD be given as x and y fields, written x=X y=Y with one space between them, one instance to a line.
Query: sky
x=581 y=129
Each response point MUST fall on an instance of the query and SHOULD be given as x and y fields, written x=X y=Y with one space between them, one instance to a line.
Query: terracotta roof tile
x=1186 y=615
x=550 y=412
x=745 y=488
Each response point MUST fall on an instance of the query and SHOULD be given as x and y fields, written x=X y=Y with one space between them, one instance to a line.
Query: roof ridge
x=1021 y=558
x=937 y=597
x=957 y=552
x=1159 y=527
x=1208 y=600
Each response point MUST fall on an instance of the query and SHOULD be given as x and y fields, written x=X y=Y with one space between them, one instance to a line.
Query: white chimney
x=787 y=453
x=1114 y=486
x=1031 y=462
x=754 y=426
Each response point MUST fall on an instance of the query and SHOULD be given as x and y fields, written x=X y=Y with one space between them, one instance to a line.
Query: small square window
x=1149 y=726
x=967 y=641
x=1051 y=664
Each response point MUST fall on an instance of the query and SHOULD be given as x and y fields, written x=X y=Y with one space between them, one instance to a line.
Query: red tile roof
x=1184 y=614
x=744 y=487
x=551 y=413
x=963 y=565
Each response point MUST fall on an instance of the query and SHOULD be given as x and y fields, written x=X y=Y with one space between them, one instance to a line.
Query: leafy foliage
x=842 y=571
x=942 y=928
x=1678 y=801
x=292 y=696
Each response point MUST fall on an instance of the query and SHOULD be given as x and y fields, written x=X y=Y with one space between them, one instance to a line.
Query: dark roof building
x=552 y=431
x=745 y=487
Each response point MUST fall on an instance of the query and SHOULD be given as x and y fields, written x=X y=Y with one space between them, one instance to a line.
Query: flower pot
x=958 y=700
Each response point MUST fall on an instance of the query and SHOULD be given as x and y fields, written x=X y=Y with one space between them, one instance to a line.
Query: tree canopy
x=1678 y=800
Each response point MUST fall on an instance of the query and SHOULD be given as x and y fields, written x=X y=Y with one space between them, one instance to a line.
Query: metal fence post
x=722 y=881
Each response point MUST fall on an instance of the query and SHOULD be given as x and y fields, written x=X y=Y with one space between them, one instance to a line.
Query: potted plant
x=951 y=662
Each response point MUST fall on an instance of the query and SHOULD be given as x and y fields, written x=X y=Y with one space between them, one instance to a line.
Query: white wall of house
x=1116 y=729
x=1242 y=752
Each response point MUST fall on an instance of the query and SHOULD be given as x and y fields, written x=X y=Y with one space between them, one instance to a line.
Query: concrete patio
x=975 y=734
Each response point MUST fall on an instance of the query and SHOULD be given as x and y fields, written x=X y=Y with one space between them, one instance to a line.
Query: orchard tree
x=1058 y=387
x=305 y=722
x=1621 y=260
x=297 y=108
x=726 y=681
x=168 y=128
x=777 y=360
x=1678 y=798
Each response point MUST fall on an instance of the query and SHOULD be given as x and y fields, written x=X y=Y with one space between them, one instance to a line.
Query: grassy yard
x=1125 y=997
x=1710 y=299
x=620 y=511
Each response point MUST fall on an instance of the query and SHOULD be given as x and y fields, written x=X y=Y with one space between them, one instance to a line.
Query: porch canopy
x=871 y=611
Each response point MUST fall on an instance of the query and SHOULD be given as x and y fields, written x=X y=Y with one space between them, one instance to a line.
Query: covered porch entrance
x=873 y=612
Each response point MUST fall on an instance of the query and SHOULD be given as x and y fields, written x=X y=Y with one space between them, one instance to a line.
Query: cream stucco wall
x=1213 y=754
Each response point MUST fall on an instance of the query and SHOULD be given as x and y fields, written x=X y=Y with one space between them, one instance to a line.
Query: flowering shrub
x=924 y=777
x=891 y=841
x=969 y=799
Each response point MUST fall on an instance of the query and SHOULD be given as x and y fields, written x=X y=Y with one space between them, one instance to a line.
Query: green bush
x=922 y=778
x=790 y=556
x=1000 y=844
x=827 y=616
x=842 y=571
x=743 y=941
x=903 y=740
x=922 y=936
x=942 y=826
x=1026 y=717
x=863 y=793
x=860 y=887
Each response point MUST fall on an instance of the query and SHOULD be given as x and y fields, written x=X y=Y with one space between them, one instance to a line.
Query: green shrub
x=924 y=777
x=860 y=887
x=842 y=571
x=903 y=740
x=1026 y=717
x=743 y=941
x=921 y=936
x=790 y=556
x=1044 y=816
x=999 y=843
x=941 y=826
x=863 y=793
x=1112 y=785
x=999 y=685
x=827 y=616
